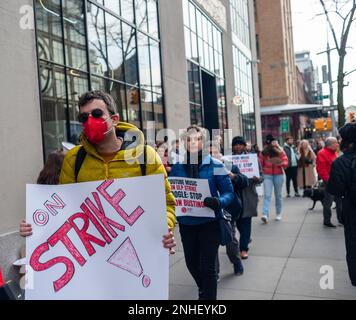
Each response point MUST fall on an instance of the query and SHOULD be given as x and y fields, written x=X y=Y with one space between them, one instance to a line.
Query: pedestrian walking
x=324 y=161
x=249 y=197
x=306 y=166
x=342 y=184
x=201 y=236
x=239 y=182
x=292 y=169
x=273 y=161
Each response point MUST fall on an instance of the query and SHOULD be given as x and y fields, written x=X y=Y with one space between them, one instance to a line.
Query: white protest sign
x=190 y=195
x=98 y=240
x=247 y=163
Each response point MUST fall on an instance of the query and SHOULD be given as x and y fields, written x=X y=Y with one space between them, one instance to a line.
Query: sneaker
x=297 y=195
x=278 y=218
x=264 y=219
x=244 y=255
x=238 y=269
x=288 y=195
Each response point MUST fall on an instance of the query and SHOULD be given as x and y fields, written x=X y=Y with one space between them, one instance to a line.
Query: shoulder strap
x=143 y=165
x=79 y=161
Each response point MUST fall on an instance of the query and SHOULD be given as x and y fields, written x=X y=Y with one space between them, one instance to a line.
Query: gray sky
x=310 y=33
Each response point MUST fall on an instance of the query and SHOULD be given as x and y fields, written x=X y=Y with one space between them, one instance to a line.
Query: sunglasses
x=96 y=113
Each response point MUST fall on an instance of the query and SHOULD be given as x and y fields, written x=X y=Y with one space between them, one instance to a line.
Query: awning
x=290 y=108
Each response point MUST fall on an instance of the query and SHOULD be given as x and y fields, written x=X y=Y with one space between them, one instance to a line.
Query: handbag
x=225 y=228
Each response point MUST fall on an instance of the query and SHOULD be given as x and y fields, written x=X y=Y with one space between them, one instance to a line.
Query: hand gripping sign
x=190 y=195
x=98 y=240
x=247 y=163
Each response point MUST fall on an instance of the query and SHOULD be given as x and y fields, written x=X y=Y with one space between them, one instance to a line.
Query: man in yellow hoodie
x=112 y=149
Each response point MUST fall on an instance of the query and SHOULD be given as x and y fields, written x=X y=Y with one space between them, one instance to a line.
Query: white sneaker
x=264 y=219
x=278 y=218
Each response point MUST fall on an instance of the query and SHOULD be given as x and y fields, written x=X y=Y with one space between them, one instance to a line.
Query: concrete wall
x=174 y=64
x=234 y=121
x=20 y=126
x=175 y=73
x=255 y=62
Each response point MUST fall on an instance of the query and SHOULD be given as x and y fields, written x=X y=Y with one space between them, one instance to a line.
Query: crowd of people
x=234 y=198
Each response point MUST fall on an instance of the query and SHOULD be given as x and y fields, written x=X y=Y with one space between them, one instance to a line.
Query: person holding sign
x=111 y=149
x=248 y=196
x=273 y=160
x=201 y=235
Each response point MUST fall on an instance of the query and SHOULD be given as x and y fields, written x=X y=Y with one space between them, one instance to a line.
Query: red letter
x=61 y=235
x=115 y=201
x=58 y=204
x=99 y=212
x=83 y=235
x=96 y=223
x=38 y=266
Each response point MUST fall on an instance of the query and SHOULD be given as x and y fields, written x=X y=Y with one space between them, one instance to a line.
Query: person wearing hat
x=273 y=160
x=342 y=183
x=249 y=199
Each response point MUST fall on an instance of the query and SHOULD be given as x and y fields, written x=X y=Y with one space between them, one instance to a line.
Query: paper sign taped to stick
x=190 y=195
x=98 y=240
x=247 y=163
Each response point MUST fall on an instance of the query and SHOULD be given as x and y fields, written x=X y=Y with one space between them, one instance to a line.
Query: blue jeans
x=271 y=181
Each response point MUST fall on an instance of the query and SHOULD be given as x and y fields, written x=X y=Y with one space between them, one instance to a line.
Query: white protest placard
x=247 y=163
x=98 y=240
x=190 y=195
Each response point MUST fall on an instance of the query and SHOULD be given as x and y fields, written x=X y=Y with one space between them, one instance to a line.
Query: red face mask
x=95 y=129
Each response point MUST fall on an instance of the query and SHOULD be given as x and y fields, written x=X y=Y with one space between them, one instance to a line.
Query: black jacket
x=342 y=176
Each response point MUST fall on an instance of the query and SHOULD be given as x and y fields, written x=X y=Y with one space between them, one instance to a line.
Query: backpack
x=82 y=154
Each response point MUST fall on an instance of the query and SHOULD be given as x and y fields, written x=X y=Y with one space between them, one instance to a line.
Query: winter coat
x=219 y=182
x=324 y=161
x=240 y=182
x=269 y=168
x=306 y=170
x=342 y=184
x=250 y=197
x=125 y=164
x=288 y=150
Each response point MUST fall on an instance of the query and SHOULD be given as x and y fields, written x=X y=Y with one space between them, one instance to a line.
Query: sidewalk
x=284 y=263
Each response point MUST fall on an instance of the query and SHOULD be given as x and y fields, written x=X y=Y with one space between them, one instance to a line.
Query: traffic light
x=352 y=117
x=329 y=124
x=323 y=124
x=319 y=124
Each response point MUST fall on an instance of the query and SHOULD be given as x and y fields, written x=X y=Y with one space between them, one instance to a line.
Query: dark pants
x=200 y=245
x=232 y=249
x=291 y=175
x=244 y=227
x=327 y=204
x=349 y=219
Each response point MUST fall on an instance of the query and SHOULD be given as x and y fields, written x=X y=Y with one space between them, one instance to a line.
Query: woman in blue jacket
x=201 y=236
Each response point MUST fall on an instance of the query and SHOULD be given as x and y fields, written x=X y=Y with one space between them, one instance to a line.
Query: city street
x=284 y=263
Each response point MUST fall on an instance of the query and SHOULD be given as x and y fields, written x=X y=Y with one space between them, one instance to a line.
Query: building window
x=204 y=51
x=240 y=21
x=112 y=45
x=244 y=89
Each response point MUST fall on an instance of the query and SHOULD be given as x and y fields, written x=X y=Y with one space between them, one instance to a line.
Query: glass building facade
x=204 y=52
x=111 y=45
x=243 y=68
